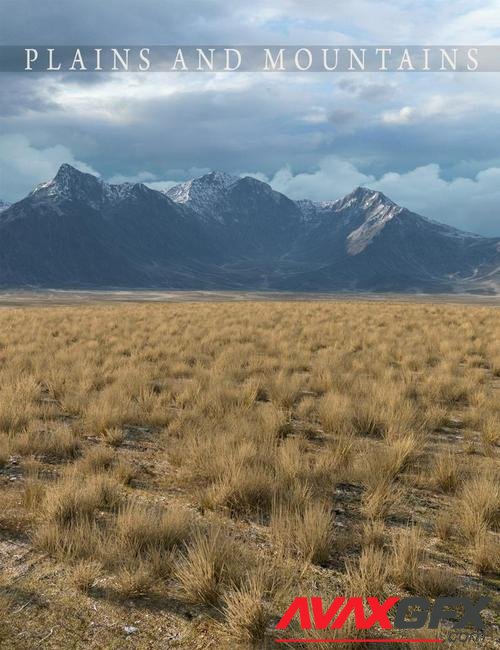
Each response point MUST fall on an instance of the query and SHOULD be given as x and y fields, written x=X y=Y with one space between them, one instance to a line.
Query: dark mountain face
x=250 y=218
x=78 y=231
x=223 y=232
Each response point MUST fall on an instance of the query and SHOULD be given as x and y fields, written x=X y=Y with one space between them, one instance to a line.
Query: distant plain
x=74 y=297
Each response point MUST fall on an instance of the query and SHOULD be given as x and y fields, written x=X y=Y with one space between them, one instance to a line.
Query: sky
x=430 y=141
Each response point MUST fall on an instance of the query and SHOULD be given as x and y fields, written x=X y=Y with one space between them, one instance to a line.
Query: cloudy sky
x=430 y=141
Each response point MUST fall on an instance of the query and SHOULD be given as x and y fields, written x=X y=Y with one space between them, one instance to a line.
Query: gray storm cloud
x=428 y=141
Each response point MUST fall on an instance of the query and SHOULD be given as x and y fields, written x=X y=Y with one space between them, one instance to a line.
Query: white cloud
x=115 y=99
x=403 y=116
x=140 y=177
x=477 y=25
x=468 y=203
x=22 y=165
x=455 y=105
x=333 y=178
x=316 y=115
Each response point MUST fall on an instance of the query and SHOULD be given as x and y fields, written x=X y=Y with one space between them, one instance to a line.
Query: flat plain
x=173 y=474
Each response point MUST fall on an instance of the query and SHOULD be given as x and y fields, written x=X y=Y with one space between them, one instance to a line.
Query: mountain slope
x=250 y=218
x=367 y=242
x=202 y=194
x=225 y=232
x=79 y=231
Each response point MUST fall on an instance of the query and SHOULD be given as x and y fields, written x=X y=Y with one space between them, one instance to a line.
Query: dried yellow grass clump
x=180 y=472
x=211 y=563
x=245 y=611
x=307 y=531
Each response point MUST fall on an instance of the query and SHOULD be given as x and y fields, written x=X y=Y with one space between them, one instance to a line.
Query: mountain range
x=225 y=232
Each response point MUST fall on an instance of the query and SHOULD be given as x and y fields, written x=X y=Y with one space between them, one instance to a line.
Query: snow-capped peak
x=378 y=210
x=364 y=198
x=71 y=184
x=220 y=178
x=68 y=183
x=361 y=197
x=203 y=186
x=201 y=194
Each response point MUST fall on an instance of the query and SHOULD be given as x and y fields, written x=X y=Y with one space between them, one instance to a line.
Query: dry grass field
x=173 y=475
